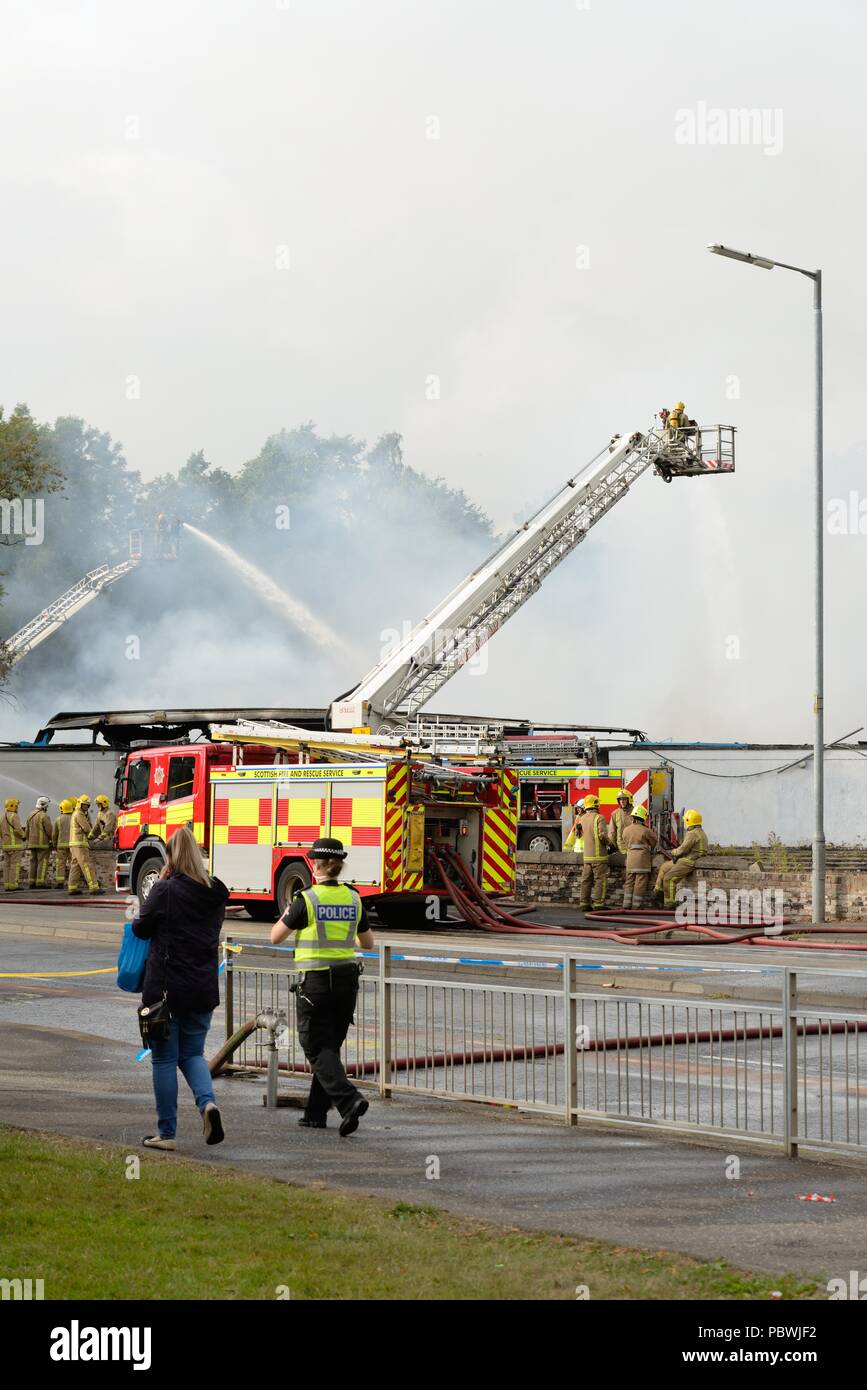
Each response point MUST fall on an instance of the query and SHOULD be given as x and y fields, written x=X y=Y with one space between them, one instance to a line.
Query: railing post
x=384 y=1021
x=570 y=1041
x=790 y=1062
x=230 y=992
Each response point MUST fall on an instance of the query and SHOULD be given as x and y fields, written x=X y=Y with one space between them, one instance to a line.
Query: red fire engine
x=257 y=818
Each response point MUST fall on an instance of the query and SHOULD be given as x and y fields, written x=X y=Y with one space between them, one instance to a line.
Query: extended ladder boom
x=63 y=608
x=404 y=681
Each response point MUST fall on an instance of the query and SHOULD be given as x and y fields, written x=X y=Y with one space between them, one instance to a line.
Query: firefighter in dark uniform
x=327 y=920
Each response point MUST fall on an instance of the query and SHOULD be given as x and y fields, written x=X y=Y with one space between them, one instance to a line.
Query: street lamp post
x=818 y=879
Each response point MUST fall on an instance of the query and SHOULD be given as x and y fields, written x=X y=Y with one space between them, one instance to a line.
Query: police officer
x=327 y=919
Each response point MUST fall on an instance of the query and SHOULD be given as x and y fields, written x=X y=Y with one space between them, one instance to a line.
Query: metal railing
x=546 y=1031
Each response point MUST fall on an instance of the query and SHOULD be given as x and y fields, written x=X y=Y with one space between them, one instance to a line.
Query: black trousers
x=325 y=1008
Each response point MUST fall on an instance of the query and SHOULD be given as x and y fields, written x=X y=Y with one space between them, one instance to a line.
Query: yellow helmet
x=102 y=800
x=67 y=805
x=83 y=800
x=624 y=793
x=692 y=818
x=591 y=802
x=12 y=803
x=640 y=813
x=680 y=406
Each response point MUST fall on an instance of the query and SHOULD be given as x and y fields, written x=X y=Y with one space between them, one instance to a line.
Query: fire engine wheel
x=294 y=878
x=147 y=875
x=537 y=842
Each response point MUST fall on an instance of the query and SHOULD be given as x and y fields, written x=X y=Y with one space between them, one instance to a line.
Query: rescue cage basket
x=692 y=452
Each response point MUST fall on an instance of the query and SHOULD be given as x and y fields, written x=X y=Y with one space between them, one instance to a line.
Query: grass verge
x=180 y=1230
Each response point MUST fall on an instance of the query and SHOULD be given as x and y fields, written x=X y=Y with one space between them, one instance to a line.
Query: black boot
x=349 y=1123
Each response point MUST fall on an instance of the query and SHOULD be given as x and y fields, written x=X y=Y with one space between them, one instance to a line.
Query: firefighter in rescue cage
x=327 y=919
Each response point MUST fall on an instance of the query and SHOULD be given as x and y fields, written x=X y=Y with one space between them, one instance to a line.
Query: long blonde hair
x=185 y=857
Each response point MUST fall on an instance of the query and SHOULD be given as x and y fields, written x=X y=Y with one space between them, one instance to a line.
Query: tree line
x=92 y=499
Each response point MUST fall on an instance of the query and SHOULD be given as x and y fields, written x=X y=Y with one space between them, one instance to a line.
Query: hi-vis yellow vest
x=333 y=915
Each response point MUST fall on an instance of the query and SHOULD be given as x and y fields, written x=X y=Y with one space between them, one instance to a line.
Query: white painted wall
x=739 y=808
x=56 y=773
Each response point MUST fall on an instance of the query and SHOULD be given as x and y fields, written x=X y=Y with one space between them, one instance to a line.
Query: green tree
x=27 y=466
x=197 y=493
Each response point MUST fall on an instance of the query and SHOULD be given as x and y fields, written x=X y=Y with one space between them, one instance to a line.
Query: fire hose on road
x=633 y=929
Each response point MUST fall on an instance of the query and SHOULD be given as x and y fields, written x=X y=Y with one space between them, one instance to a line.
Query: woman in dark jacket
x=182 y=917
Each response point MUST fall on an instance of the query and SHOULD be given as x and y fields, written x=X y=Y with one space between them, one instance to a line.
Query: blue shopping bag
x=131 y=961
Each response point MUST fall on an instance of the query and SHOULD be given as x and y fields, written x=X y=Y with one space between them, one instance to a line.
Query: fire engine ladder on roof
x=404 y=681
x=342 y=748
x=64 y=608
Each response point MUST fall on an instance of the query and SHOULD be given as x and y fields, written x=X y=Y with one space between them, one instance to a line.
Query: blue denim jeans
x=184 y=1051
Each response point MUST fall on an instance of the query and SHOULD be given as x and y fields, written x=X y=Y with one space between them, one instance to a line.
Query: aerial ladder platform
x=63 y=608
x=390 y=696
x=46 y=623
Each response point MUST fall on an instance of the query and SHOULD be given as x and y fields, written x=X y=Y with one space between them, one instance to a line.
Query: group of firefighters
x=71 y=837
x=627 y=841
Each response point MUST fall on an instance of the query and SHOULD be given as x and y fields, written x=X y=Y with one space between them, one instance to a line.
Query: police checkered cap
x=327 y=849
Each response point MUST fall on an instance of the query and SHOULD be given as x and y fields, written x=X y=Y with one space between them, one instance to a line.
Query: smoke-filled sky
x=481 y=226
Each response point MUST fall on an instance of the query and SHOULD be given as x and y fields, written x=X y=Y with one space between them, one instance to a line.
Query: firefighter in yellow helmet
x=60 y=839
x=40 y=833
x=105 y=824
x=81 y=869
x=675 y=419
x=684 y=859
x=594 y=874
x=640 y=842
x=621 y=818
x=13 y=838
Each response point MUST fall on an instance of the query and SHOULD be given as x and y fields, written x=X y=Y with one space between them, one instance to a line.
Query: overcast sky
x=221 y=218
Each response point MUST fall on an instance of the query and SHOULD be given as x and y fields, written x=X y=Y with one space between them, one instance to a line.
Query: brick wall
x=554 y=878
x=103 y=861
